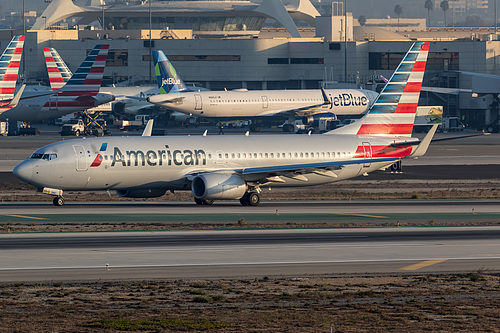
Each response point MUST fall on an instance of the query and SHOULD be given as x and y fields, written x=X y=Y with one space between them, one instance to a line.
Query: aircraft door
x=264 y=102
x=81 y=158
x=198 y=102
x=367 y=153
x=53 y=101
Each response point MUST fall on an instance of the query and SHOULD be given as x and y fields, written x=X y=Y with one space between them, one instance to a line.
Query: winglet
x=326 y=100
x=426 y=141
x=149 y=128
x=17 y=97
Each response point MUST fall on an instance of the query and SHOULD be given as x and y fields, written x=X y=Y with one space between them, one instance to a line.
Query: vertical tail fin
x=393 y=113
x=9 y=67
x=88 y=77
x=58 y=71
x=168 y=79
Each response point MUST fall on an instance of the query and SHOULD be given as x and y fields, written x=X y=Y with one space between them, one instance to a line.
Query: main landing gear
x=203 y=202
x=250 y=199
x=58 y=201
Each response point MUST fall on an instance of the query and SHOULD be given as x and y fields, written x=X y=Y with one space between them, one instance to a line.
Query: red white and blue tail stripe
x=393 y=113
x=9 y=68
x=85 y=83
x=58 y=71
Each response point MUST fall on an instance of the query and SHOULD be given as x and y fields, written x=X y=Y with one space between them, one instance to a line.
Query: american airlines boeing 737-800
x=244 y=103
x=236 y=167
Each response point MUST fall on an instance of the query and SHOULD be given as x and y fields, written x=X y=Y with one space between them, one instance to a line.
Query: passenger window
x=272 y=155
x=266 y=155
x=301 y=155
x=255 y=155
x=307 y=155
x=232 y=155
x=226 y=155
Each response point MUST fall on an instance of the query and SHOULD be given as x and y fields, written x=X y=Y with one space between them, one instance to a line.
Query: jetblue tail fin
x=393 y=113
x=9 y=67
x=58 y=71
x=168 y=79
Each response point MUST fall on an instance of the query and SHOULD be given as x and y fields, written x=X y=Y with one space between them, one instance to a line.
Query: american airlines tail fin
x=393 y=113
x=87 y=79
x=58 y=71
x=168 y=79
x=9 y=67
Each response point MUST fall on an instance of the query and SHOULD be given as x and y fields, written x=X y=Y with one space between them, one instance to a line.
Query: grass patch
x=154 y=324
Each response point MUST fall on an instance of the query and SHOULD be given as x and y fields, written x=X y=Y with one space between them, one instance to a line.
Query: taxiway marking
x=422 y=264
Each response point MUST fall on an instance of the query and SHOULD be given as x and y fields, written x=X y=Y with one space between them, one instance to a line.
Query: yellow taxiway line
x=26 y=217
x=422 y=264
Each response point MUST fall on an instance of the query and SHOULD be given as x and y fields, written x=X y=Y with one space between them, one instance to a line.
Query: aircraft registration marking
x=422 y=264
x=26 y=217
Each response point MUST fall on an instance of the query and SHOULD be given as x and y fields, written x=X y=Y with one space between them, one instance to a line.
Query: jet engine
x=148 y=193
x=313 y=120
x=218 y=186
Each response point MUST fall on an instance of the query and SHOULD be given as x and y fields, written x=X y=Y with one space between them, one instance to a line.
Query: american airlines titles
x=159 y=157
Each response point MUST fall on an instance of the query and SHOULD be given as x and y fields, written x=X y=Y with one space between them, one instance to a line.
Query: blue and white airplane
x=236 y=167
x=244 y=103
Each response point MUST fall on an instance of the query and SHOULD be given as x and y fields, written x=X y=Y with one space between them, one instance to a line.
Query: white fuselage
x=167 y=162
x=51 y=106
x=235 y=104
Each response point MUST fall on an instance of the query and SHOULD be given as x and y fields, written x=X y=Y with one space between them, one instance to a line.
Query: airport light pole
x=102 y=5
x=345 y=41
x=150 y=53
x=24 y=33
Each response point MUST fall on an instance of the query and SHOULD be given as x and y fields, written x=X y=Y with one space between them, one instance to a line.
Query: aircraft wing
x=167 y=98
x=279 y=174
x=449 y=91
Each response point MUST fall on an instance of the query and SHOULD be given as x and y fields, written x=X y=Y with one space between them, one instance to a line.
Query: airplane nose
x=23 y=171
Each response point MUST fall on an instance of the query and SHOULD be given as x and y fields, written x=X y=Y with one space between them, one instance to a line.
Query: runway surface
x=279 y=212
x=222 y=254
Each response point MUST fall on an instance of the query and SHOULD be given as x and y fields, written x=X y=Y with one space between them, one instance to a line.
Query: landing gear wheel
x=250 y=199
x=58 y=201
x=77 y=133
x=203 y=202
x=253 y=199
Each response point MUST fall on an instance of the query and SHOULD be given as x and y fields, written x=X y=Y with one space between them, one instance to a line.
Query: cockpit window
x=46 y=157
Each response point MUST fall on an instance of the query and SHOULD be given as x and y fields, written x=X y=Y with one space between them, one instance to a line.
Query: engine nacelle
x=313 y=120
x=148 y=193
x=218 y=186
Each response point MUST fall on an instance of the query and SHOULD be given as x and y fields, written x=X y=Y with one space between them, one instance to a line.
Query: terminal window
x=307 y=61
x=205 y=58
x=277 y=61
x=435 y=60
x=116 y=58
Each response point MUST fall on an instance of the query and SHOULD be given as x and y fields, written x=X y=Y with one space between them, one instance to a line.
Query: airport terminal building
x=229 y=45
